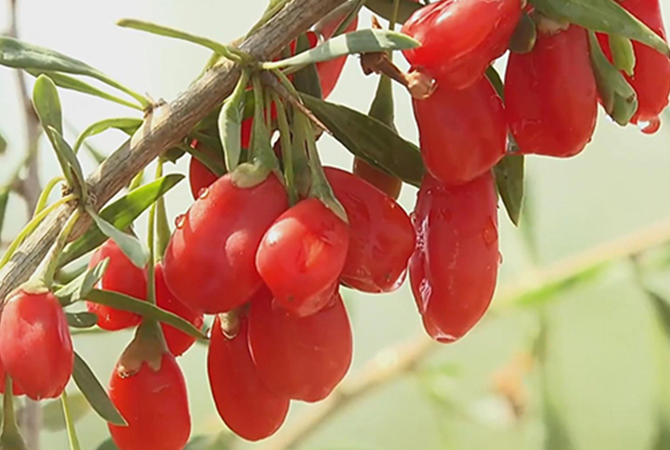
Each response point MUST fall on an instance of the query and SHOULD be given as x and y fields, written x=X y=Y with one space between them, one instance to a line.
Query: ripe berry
x=154 y=403
x=242 y=400
x=651 y=79
x=303 y=358
x=209 y=262
x=35 y=343
x=302 y=255
x=177 y=341
x=463 y=133
x=454 y=267
x=459 y=39
x=381 y=237
x=386 y=183
x=121 y=276
x=548 y=116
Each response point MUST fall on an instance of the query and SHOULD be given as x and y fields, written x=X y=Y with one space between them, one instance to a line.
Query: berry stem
x=50 y=263
x=10 y=439
x=162 y=223
x=286 y=150
x=151 y=271
x=71 y=430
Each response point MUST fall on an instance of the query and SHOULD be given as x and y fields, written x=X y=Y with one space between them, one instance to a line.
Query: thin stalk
x=53 y=257
x=71 y=431
x=162 y=223
x=11 y=435
x=141 y=99
x=31 y=226
x=44 y=196
x=151 y=271
x=286 y=150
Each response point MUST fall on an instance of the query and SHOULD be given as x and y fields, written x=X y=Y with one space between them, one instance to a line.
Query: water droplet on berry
x=490 y=233
x=500 y=258
x=425 y=291
x=203 y=193
x=650 y=126
x=180 y=220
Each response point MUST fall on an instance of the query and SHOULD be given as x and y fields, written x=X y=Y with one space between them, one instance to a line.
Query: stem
x=144 y=102
x=53 y=258
x=151 y=271
x=10 y=438
x=162 y=224
x=394 y=17
x=286 y=151
x=71 y=431
x=262 y=153
x=31 y=226
x=44 y=196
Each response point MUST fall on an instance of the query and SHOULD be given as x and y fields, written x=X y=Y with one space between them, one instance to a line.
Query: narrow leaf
x=230 y=124
x=128 y=125
x=121 y=214
x=22 y=55
x=385 y=8
x=78 y=288
x=107 y=445
x=96 y=395
x=4 y=199
x=74 y=84
x=623 y=53
x=370 y=139
x=509 y=173
x=143 y=308
x=605 y=16
x=129 y=245
x=47 y=103
x=362 y=41
x=307 y=80
x=71 y=166
x=52 y=412
x=81 y=319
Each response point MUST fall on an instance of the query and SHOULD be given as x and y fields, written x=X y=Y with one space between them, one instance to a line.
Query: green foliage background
x=607 y=362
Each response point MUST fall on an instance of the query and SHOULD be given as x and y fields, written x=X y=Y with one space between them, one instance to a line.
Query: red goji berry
x=651 y=79
x=454 y=267
x=210 y=261
x=383 y=181
x=459 y=39
x=242 y=400
x=35 y=343
x=463 y=133
x=303 y=358
x=381 y=237
x=302 y=255
x=154 y=403
x=547 y=115
x=177 y=341
x=121 y=276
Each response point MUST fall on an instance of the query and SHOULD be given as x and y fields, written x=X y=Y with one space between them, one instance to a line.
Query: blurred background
x=602 y=379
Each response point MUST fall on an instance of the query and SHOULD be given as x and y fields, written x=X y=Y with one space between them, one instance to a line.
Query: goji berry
x=303 y=358
x=463 y=132
x=154 y=403
x=548 y=116
x=242 y=400
x=383 y=181
x=177 y=341
x=651 y=79
x=35 y=343
x=302 y=255
x=459 y=39
x=381 y=237
x=210 y=261
x=454 y=267
x=121 y=276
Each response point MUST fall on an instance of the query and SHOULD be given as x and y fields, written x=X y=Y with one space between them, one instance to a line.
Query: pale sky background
x=602 y=357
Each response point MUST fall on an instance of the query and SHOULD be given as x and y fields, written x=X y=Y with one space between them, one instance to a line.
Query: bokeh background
x=607 y=361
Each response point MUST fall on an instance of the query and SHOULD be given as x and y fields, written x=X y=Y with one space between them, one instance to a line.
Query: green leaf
x=663 y=437
x=371 y=140
x=69 y=162
x=307 y=80
x=81 y=319
x=52 y=412
x=618 y=97
x=385 y=8
x=4 y=199
x=509 y=173
x=95 y=394
x=74 y=84
x=128 y=125
x=230 y=123
x=129 y=245
x=623 y=53
x=47 y=103
x=525 y=35
x=605 y=16
x=144 y=309
x=3 y=144
x=78 y=288
x=362 y=41
x=121 y=214
x=21 y=55
x=107 y=445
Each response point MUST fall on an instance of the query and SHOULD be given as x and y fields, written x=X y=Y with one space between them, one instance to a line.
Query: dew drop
x=203 y=193
x=650 y=126
x=500 y=258
x=180 y=220
x=490 y=233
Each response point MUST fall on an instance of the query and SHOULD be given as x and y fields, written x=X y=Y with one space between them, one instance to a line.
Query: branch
x=403 y=359
x=162 y=129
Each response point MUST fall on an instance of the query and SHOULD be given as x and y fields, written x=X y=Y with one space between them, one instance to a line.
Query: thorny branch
x=395 y=362
x=162 y=129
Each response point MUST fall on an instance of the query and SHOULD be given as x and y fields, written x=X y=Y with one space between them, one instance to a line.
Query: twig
x=401 y=360
x=163 y=129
